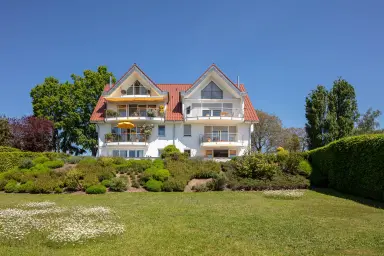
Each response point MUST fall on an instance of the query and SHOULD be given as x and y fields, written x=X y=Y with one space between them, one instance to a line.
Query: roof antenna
x=110 y=82
x=238 y=81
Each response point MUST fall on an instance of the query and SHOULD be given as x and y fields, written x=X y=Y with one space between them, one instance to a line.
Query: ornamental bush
x=11 y=187
x=96 y=189
x=54 y=164
x=174 y=185
x=40 y=160
x=153 y=185
x=305 y=168
x=118 y=184
x=352 y=165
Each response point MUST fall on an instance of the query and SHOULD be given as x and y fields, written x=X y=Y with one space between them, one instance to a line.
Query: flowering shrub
x=283 y=194
x=60 y=225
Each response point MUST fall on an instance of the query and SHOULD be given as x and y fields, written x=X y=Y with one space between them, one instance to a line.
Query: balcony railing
x=214 y=112
x=135 y=112
x=125 y=137
x=220 y=137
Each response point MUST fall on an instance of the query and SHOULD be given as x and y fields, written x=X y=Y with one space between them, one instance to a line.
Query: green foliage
x=305 y=168
x=105 y=161
x=27 y=187
x=74 y=159
x=5 y=132
x=88 y=161
x=135 y=166
x=118 y=184
x=26 y=164
x=172 y=152
x=161 y=174
x=368 y=122
x=352 y=165
x=11 y=187
x=158 y=163
x=173 y=185
x=58 y=190
x=315 y=112
x=153 y=185
x=96 y=189
x=265 y=136
x=8 y=149
x=46 y=183
x=106 y=183
x=256 y=166
x=40 y=160
x=54 y=164
x=40 y=168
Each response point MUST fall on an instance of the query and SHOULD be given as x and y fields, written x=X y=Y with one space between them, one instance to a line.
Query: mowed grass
x=219 y=223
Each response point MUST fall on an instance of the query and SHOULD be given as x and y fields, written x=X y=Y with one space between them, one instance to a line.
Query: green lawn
x=219 y=223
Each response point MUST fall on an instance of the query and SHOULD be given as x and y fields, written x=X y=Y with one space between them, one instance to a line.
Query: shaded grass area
x=219 y=223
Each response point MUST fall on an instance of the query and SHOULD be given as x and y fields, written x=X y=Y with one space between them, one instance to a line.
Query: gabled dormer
x=213 y=96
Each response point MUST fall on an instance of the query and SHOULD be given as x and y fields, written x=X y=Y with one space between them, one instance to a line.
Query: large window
x=187 y=130
x=137 y=89
x=211 y=91
x=128 y=153
x=220 y=153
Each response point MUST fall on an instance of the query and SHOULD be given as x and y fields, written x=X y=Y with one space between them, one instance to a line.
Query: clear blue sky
x=280 y=49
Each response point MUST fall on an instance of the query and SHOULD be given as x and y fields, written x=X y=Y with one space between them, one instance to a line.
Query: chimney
x=238 y=81
x=110 y=82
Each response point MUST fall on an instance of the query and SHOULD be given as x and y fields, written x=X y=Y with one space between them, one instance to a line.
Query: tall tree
x=46 y=103
x=368 y=122
x=265 y=136
x=87 y=93
x=5 y=132
x=342 y=108
x=295 y=139
x=316 y=114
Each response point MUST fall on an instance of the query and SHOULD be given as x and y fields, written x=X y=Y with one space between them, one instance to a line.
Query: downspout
x=173 y=136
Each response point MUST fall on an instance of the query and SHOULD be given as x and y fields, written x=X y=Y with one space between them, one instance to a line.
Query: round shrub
x=118 y=184
x=27 y=187
x=158 y=163
x=105 y=161
x=11 y=187
x=106 y=183
x=96 y=189
x=161 y=174
x=26 y=164
x=305 y=168
x=58 y=190
x=40 y=160
x=54 y=164
x=174 y=185
x=153 y=185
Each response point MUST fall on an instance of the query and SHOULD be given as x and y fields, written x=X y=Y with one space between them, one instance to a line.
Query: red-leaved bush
x=30 y=133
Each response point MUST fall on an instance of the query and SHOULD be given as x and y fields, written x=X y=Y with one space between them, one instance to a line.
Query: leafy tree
x=342 y=108
x=368 y=122
x=31 y=133
x=316 y=114
x=301 y=136
x=5 y=132
x=265 y=136
x=69 y=106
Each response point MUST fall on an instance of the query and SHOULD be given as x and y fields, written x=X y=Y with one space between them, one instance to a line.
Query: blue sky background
x=280 y=49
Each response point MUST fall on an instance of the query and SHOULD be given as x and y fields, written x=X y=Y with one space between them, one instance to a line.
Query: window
x=128 y=153
x=232 y=153
x=187 y=130
x=115 y=153
x=132 y=153
x=161 y=131
x=188 y=110
x=220 y=153
x=123 y=153
x=137 y=89
x=122 y=109
x=188 y=152
x=211 y=91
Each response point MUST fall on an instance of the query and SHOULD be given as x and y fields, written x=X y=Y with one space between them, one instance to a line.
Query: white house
x=213 y=117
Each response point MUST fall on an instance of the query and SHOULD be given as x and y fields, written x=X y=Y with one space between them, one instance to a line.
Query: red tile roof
x=174 y=107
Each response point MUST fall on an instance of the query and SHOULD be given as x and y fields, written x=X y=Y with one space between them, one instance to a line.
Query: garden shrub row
x=353 y=165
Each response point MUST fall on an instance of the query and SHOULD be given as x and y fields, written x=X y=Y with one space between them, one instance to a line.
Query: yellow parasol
x=125 y=125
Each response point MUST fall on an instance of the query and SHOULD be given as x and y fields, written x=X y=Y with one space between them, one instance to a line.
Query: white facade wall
x=174 y=134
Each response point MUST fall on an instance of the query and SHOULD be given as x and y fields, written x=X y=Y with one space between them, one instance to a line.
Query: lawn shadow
x=361 y=200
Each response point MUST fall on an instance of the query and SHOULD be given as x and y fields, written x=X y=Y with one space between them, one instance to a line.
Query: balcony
x=137 y=113
x=214 y=114
x=221 y=139
x=125 y=139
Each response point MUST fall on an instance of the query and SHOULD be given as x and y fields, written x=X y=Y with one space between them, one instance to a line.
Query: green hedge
x=352 y=165
x=8 y=160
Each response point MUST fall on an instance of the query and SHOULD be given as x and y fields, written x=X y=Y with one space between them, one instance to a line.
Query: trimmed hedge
x=8 y=160
x=353 y=165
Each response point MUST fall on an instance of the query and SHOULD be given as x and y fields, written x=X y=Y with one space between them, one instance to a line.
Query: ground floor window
x=220 y=153
x=128 y=153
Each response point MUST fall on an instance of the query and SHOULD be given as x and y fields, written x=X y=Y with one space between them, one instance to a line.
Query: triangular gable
x=213 y=69
x=135 y=68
